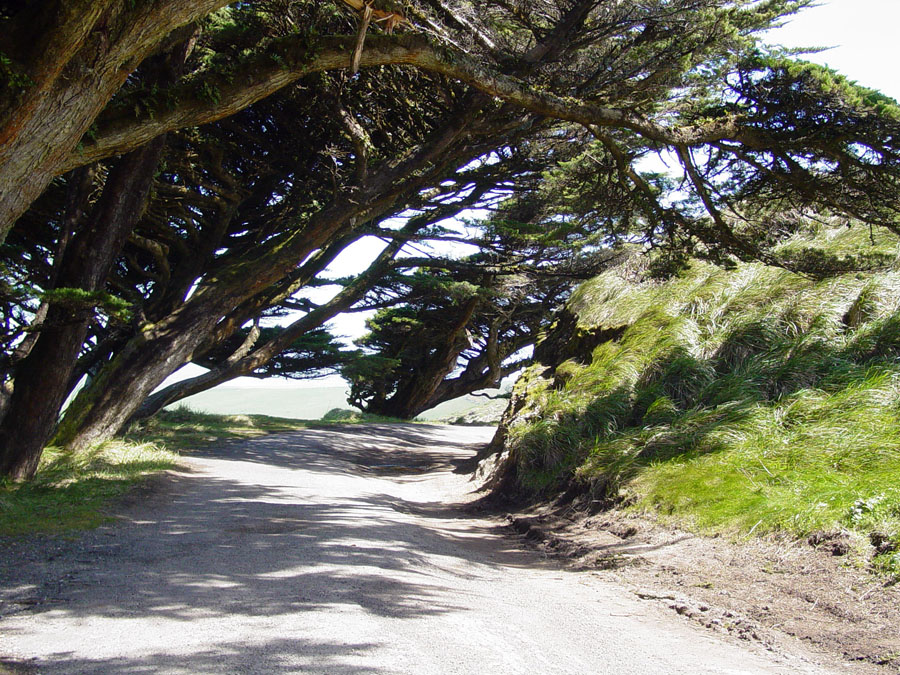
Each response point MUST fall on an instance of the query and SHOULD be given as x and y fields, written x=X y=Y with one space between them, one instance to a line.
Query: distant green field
x=308 y=403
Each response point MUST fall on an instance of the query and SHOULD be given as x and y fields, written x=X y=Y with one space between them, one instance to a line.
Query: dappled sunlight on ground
x=330 y=550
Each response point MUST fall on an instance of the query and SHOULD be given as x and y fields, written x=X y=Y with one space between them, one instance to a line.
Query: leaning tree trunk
x=480 y=373
x=413 y=396
x=102 y=408
x=72 y=57
x=105 y=405
x=234 y=366
x=79 y=184
x=42 y=377
x=249 y=357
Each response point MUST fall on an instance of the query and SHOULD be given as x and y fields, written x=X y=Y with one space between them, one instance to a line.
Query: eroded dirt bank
x=772 y=591
x=341 y=551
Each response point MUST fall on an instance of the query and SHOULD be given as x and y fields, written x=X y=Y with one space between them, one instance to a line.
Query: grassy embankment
x=745 y=401
x=71 y=491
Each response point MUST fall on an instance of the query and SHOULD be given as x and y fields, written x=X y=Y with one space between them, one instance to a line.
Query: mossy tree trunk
x=111 y=399
x=156 y=351
x=68 y=58
x=42 y=377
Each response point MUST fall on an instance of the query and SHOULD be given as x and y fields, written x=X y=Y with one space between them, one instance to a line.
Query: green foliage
x=348 y=416
x=12 y=79
x=70 y=491
x=313 y=354
x=750 y=399
x=209 y=92
x=77 y=299
x=403 y=340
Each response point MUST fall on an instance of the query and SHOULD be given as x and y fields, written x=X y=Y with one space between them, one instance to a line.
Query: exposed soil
x=773 y=591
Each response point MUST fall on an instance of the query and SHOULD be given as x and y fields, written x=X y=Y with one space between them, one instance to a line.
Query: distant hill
x=303 y=402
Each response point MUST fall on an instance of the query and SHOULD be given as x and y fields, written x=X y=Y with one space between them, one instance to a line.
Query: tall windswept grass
x=745 y=399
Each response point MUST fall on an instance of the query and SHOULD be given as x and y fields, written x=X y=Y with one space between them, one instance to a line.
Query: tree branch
x=211 y=96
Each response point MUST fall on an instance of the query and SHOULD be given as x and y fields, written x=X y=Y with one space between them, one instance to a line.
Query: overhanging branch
x=213 y=96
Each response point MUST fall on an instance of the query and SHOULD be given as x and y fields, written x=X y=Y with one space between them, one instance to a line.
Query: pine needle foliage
x=750 y=399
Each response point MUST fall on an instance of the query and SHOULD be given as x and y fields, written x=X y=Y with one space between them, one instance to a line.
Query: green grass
x=184 y=429
x=300 y=402
x=744 y=400
x=340 y=416
x=70 y=492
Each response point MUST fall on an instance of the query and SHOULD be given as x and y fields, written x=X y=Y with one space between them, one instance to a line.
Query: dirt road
x=331 y=551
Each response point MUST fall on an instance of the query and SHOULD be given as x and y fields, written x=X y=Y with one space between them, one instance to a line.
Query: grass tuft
x=338 y=416
x=70 y=491
x=184 y=430
x=745 y=400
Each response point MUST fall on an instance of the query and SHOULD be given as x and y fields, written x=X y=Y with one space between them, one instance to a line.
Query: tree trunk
x=101 y=409
x=413 y=397
x=76 y=55
x=79 y=186
x=247 y=358
x=229 y=370
x=480 y=373
x=42 y=377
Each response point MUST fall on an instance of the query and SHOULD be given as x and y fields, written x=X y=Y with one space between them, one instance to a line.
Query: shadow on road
x=372 y=449
x=300 y=533
x=272 y=656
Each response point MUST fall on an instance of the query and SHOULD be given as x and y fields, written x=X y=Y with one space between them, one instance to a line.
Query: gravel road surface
x=331 y=551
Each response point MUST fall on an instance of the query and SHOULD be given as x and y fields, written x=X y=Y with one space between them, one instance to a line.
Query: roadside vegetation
x=751 y=400
x=70 y=492
x=184 y=430
x=73 y=491
x=350 y=416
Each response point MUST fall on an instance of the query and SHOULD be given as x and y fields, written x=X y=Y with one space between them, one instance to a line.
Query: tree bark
x=412 y=398
x=103 y=407
x=42 y=377
x=479 y=374
x=78 y=191
x=76 y=55
x=248 y=357
x=284 y=61
x=232 y=368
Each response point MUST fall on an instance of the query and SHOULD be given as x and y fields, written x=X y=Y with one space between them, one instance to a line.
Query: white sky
x=861 y=36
